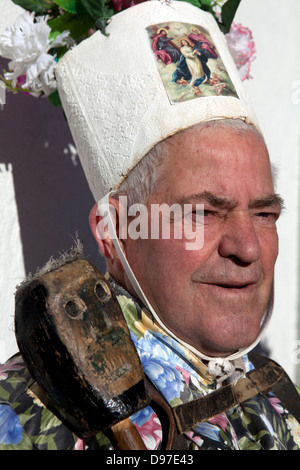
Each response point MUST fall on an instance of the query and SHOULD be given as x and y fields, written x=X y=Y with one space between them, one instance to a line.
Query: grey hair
x=142 y=181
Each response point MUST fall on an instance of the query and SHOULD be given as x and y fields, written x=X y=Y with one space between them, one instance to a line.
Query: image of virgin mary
x=188 y=62
x=192 y=65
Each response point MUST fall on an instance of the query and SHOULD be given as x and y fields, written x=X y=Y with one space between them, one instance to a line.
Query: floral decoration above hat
x=48 y=28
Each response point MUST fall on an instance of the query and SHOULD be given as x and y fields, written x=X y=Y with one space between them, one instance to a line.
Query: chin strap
x=218 y=367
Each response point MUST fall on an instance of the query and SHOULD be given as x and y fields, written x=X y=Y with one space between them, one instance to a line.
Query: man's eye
x=267 y=217
x=202 y=216
x=206 y=213
x=200 y=213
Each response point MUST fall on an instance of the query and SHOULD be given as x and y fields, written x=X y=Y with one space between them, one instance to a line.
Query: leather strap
x=285 y=390
x=165 y=415
x=257 y=381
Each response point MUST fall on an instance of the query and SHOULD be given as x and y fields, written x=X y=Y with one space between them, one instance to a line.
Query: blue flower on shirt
x=159 y=362
x=208 y=430
x=142 y=417
x=11 y=431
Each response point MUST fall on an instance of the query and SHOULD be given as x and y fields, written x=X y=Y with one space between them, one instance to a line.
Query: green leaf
x=78 y=25
x=97 y=8
x=206 y=4
x=228 y=12
x=54 y=34
x=202 y=4
x=55 y=99
x=4 y=394
x=68 y=5
x=261 y=434
x=130 y=312
x=175 y=402
x=41 y=7
x=101 y=24
x=249 y=411
x=246 y=444
x=48 y=440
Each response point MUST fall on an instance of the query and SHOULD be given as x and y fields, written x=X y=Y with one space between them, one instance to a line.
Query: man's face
x=214 y=297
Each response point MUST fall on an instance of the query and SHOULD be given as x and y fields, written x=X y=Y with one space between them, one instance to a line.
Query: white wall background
x=44 y=198
x=275 y=94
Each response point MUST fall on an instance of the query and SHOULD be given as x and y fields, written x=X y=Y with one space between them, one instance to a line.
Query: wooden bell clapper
x=74 y=339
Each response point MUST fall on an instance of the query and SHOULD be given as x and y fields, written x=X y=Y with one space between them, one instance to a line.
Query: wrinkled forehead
x=220 y=157
x=214 y=138
x=237 y=126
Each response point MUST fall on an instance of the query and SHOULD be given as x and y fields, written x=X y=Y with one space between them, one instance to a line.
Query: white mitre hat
x=125 y=92
x=122 y=93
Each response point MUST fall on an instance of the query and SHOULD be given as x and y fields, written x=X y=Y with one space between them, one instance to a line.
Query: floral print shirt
x=260 y=423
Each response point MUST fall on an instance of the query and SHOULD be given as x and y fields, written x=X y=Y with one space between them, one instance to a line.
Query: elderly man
x=197 y=301
x=213 y=298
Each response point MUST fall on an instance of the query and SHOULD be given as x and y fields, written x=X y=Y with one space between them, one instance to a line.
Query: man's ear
x=102 y=235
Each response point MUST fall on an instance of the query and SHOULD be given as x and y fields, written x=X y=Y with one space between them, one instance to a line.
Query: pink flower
x=11 y=366
x=242 y=47
x=197 y=439
x=219 y=420
x=119 y=5
x=185 y=374
x=79 y=444
x=277 y=405
x=151 y=432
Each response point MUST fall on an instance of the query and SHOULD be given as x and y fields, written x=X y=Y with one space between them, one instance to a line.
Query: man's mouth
x=231 y=286
x=234 y=286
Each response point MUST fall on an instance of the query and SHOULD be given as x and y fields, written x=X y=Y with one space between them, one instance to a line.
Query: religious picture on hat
x=188 y=62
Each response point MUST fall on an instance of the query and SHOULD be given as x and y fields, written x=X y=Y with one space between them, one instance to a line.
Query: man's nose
x=239 y=239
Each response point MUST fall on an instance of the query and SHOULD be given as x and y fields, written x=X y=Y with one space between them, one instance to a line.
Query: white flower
x=242 y=47
x=294 y=426
x=40 y=75
x=26 y=44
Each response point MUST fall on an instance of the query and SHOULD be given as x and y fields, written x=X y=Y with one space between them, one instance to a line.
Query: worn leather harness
x=267 y=376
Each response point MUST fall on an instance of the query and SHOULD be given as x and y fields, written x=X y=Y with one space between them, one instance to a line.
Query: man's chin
x=222 y=350
x=224 y=347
